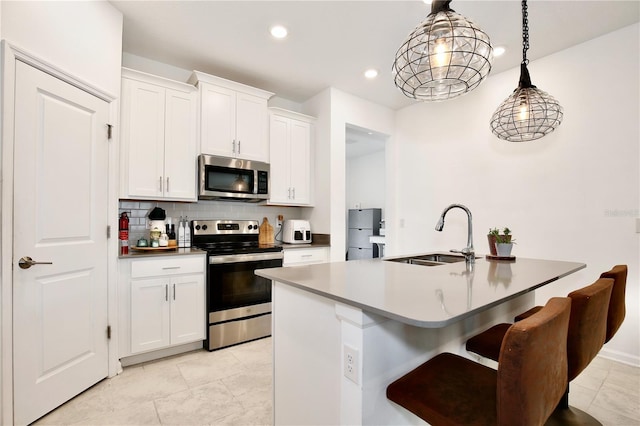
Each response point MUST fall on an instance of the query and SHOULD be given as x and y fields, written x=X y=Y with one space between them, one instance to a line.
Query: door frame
x=9 y=53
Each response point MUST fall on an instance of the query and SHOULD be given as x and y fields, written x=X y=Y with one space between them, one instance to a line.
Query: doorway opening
x=365 y=184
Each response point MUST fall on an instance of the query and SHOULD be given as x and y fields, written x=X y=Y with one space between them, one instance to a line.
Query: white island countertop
x=423 y=296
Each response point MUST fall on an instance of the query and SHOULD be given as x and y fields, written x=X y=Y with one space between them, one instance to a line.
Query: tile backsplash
x=138 y=211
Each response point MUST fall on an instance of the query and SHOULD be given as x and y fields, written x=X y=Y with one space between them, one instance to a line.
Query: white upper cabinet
x=159 y=144
x=234 y=119
x=291 y=142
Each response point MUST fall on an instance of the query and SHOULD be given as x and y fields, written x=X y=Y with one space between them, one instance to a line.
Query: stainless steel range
x=238 y=301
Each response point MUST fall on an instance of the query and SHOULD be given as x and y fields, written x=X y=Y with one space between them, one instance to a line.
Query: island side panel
x=307 y=358
x=310 y=332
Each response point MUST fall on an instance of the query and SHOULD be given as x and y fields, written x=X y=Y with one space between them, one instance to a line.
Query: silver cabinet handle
x=160 y=180
x=234 y=146
x=167 y=184
x=170 y=267
x=174 y=292
x=26 y=262
x=294 y=193
x=166 y=292
x=238 y=147
x=289 y=196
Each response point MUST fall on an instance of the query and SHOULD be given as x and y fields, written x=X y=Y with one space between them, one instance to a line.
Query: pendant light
x=446 y=56
x=529 y=113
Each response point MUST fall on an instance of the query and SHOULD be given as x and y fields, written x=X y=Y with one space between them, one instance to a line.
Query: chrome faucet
x=469 y=255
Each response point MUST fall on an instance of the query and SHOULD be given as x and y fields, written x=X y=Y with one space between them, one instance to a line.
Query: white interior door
x=60 y=216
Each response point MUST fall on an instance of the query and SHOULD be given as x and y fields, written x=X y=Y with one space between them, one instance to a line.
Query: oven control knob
x=197 y=227
x=250 y=227
x=204 y=227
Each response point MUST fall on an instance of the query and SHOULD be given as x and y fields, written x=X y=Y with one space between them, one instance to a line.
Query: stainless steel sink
x=431 y=259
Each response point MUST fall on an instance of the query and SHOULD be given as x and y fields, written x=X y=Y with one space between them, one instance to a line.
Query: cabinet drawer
x=360 y=237
x=365 y=218
x=359 y=253
x=167 y=265
x=304 y=256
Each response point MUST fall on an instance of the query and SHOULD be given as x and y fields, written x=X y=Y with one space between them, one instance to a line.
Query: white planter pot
x=504 y=249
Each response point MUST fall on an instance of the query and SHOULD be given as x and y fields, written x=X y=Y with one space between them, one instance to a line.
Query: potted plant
x=504 y=243
x=495 y=238
x=491 y=236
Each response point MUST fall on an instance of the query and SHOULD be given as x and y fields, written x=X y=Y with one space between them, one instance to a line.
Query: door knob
x=26 y=262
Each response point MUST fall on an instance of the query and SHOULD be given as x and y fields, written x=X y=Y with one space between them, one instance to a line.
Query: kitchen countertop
x=177 y=252
x=423 y=296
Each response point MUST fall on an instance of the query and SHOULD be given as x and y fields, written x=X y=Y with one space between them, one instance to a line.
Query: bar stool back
x=616 y=305
x=530 y=380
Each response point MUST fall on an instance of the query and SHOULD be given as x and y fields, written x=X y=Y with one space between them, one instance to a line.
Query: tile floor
x=233 y=387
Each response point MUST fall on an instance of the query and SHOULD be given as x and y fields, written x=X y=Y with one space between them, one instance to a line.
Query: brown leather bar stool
x=587 y=332
x=530 y=380
x=617 y=308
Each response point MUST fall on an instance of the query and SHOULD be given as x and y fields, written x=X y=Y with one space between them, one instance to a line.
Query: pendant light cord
x=525 y=32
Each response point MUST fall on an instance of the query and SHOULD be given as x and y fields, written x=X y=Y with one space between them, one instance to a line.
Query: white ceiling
x=331 y=43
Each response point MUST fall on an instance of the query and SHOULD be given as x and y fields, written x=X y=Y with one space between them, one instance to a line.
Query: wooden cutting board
x=266 y=232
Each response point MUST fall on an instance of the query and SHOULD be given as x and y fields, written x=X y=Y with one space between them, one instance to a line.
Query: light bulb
x=523 y=113
x=442 y=57
x=440 y=60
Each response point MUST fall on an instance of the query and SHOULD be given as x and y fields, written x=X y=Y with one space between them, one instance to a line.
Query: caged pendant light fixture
x=529 y=113
x=446 y=56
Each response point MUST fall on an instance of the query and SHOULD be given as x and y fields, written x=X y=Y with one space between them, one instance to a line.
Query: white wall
x=83 y=38
x=573 y=195
x=334 y=110
x=366 y=181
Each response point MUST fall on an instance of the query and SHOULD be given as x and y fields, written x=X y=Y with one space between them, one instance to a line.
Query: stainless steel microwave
x=223 y=178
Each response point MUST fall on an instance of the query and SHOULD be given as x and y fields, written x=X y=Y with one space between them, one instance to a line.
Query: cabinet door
x=252 y=128
x=180 y=146
x=188 y=314
x=299 y=147
x=217 y=120
x=280 y=191
x=150 y=312
x=143 y=138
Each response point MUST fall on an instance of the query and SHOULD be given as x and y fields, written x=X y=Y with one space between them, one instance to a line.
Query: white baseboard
x=621 y=357
x=162 y=353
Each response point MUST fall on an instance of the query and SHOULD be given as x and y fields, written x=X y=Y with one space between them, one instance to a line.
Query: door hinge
x=109 y=130
x=108 y=231
x=108 y=332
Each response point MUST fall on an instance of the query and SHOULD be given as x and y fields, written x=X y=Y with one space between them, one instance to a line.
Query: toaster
x=296 y=232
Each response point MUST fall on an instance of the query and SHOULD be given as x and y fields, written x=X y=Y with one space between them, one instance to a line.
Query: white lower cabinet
x=166 y=303
x=305 y=256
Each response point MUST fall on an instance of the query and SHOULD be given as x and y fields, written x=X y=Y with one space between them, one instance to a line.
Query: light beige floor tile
x=215 y=366
x=256 y=352
x=125 y=390
x=249 y=380
x=581 y=397
x=138 y=414
x=609 y=417
x=198 y=406
x=254 y=416
x=174 y=360
x=618 y=399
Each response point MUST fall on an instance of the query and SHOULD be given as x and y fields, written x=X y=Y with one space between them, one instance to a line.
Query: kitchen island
x=343 y=331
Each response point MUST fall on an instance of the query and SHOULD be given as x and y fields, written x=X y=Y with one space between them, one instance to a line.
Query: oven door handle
x=248 y=257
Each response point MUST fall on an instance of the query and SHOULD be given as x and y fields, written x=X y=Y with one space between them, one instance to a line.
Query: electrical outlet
x=279 y=221
x=351 y=363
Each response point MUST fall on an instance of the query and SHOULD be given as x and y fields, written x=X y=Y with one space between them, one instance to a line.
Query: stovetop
x=223 y=237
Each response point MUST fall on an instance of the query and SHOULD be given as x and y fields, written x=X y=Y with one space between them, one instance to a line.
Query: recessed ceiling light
x=371 y=73
x=278 y=31
x=499 y=51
